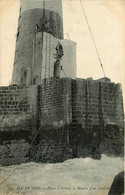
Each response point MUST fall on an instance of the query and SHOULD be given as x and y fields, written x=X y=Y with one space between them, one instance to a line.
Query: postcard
x=62 y=86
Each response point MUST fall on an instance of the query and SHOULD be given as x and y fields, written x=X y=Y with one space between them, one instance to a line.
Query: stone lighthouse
x=47 y=114
x=39 y=34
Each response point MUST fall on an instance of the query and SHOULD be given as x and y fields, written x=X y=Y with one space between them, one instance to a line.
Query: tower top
x=51 y=5
x=35 y=16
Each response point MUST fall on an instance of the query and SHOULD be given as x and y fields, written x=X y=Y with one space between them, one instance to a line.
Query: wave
x=80 y=176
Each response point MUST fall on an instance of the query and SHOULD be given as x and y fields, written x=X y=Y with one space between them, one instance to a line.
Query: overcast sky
x=106 y=19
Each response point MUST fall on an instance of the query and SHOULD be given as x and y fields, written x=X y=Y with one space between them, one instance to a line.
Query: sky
x=106 y=19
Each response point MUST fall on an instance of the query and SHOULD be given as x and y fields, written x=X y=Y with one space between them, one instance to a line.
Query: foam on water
x=75 y=176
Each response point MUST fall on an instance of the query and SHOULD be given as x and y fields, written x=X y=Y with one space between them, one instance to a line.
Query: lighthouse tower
x=40 y=31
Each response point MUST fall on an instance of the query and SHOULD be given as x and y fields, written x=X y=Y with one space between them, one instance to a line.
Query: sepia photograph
x=62 y=91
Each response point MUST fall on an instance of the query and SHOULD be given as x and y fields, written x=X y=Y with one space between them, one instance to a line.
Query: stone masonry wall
x=85 y=116
x=55 y=104
x=93 y=100
x=97 y=114
x=73 y=118
x=55 y=116
x=18 y=114
x=119 y=110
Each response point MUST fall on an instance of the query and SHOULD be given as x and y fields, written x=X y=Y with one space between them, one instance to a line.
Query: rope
x=26 y=153
x=92 y=38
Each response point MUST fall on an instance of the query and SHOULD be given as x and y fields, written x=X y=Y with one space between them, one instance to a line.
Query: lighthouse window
x=25 y=77
x=34 y=81
x=17 y=34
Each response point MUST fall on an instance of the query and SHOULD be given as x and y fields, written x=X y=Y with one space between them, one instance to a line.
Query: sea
x=82 y=176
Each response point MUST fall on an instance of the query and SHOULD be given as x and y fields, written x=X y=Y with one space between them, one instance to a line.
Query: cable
x=19 y=164
x=9 y=175
x=97 y=54
x=65 y=74
x=103 y=70
x=92 y=38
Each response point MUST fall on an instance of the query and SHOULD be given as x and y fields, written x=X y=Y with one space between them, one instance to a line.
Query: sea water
x=83 y=176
